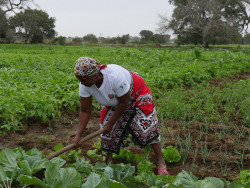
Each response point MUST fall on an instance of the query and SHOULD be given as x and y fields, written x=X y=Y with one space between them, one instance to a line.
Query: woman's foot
x=162 y=171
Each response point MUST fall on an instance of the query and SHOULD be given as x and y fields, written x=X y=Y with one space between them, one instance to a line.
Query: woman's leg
x=157 y=150
x=161 y=166
x=108 y=158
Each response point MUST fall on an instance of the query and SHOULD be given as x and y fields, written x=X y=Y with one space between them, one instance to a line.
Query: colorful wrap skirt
x=139 y=119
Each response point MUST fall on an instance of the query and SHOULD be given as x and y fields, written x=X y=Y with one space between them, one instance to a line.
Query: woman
x=126 y=107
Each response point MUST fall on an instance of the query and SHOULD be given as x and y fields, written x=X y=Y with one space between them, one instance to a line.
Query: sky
x=106 y=18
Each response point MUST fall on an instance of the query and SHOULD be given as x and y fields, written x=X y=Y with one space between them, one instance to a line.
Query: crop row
x=37 y=81
x=20 y=169
x=208 y=104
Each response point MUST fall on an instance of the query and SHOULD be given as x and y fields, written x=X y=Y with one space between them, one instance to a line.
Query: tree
x=34 y=25
x=228 y=36
x=77 y=40
x=161 y=39
x=13 y=5
x=134 y=39
x=90 y=38
x=206 y=19
x=123 y=39
x=108 y=40
x=4 y=26
x=6 y=33
x=10 y=36
x=246 y=38
x=61 y=40
x=145 y=35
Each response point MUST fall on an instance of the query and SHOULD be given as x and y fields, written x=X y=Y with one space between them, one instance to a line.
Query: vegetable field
x=202 y=99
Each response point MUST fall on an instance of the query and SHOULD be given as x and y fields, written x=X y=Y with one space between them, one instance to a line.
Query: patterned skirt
x=139 y=119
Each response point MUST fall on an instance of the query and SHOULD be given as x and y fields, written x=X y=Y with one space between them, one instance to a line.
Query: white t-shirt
x=116 y=83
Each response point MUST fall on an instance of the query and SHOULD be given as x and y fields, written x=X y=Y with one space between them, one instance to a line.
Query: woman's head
x=86 y=71
x=86 y=66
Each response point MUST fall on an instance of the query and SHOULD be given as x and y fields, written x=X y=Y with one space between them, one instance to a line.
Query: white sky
x=108 y=18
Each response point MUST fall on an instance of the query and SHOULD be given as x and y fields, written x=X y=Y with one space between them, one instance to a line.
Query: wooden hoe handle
x=92 y=135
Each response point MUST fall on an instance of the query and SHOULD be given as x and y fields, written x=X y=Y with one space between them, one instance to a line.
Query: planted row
x=37 y=81
x=208 y=104
x=19 y=168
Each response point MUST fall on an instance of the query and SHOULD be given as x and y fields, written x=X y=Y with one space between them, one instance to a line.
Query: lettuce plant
x=170 y=154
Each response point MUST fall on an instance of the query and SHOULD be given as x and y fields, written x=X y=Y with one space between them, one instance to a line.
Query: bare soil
x=224 y=153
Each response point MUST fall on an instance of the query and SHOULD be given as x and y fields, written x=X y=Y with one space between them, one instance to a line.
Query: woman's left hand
x=107 y=127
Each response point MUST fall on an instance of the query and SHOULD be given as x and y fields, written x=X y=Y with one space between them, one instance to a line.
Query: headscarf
x=86 y=66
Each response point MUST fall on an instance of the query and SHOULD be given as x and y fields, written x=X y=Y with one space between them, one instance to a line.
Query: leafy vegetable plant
x=170 y=154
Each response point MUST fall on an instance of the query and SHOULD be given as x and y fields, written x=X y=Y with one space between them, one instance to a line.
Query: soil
x=220 y=82
x=224 y=153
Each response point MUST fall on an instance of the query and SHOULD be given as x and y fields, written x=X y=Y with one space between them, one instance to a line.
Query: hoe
x=92 y=135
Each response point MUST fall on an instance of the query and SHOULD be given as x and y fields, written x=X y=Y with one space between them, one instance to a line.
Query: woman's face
x=87 y=80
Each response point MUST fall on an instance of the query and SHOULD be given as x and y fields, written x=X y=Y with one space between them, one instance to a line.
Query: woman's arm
x=122 y=106
x=85 y=112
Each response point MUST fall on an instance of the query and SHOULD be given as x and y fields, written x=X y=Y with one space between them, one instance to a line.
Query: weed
x=45 y=139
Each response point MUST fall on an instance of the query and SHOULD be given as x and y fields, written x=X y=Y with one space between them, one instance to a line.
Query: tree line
x=35 y=26
x=193 y=22
x=208 y=21
x=146 y=36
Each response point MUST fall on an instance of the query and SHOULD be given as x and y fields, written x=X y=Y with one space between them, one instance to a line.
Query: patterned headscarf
x=86 y=66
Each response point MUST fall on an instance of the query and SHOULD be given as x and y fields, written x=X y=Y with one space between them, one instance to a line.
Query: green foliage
x=126 y=155
x=189 y=180
x=160 y=39
x=59 y=40
x=77 y=40
x=246 y=39
x=38 y=82
x=90 y=38
x=45 y=139
x=4 y=29
x=123 y=39
x=170 y=154
x=145 y=166
x=203 y=103
x=146 y=34
x=191 y=25
x=34 y=25
x=244 y=178
x=92 y=154
x=72 y=155
x=197 y=53
x=18 y=168
x=97 y=145
x=55 y=177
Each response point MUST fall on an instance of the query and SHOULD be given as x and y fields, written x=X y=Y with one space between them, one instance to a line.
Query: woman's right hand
x=76 y=140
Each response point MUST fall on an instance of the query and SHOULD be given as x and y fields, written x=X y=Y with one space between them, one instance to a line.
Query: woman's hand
x=76 y=140
x=107 y=127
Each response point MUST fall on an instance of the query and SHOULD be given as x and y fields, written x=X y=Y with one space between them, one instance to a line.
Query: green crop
x=18 y=169
x=170 y=154
x=205 y=103
x=37 y=82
